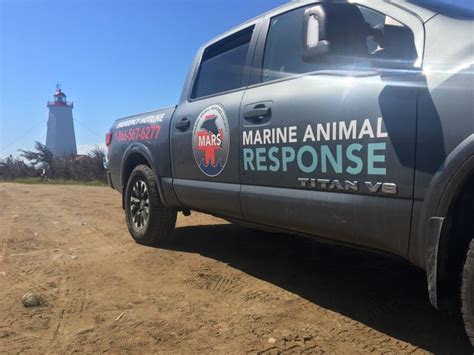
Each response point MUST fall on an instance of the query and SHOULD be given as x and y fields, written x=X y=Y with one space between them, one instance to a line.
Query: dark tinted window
x=222 y=65
x=283 y=47
x=360 y=39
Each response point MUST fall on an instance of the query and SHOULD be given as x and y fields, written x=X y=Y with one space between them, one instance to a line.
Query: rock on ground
x=30 y=300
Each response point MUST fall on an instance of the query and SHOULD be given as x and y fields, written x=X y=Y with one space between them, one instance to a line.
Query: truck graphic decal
x=211 y=140
x=278 y=149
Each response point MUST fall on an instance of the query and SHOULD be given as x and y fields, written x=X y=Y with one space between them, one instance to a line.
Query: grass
x=38 y=180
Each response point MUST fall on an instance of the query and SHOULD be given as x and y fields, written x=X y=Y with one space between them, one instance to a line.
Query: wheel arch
x=448 y=185
x=133 y=156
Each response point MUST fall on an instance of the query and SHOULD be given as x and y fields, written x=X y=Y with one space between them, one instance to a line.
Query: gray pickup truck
x=347 y=121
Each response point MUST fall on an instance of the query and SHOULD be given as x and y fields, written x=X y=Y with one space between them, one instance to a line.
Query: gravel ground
x=216 y=287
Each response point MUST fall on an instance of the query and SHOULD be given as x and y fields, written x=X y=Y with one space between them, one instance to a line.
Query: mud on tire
x=148 y=221
x=467 y=293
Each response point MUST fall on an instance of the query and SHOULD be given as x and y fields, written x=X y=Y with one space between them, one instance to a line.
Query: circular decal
x=211 y=140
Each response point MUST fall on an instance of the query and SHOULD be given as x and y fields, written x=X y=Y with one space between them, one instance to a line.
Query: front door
x=328 y=148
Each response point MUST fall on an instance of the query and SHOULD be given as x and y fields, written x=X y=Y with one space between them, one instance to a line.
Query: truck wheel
x=148 y=221
x=467 y=293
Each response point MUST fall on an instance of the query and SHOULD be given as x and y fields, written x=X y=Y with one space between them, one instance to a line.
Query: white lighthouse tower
x=60 y=137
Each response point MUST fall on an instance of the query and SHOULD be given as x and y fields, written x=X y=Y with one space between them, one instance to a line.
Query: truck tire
x=467 y=293
x=148 y=221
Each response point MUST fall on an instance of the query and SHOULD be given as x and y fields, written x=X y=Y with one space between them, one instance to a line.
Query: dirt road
x=215 y=288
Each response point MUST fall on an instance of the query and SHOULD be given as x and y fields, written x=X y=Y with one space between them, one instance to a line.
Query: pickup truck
x=347 y=121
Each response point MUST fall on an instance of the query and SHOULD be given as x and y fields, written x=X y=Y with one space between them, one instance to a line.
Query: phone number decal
x=146 y=133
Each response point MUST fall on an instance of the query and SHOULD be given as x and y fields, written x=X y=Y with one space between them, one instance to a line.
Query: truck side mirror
x=314 y=41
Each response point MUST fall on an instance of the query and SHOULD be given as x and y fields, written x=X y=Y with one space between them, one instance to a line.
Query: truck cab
x=347 y=121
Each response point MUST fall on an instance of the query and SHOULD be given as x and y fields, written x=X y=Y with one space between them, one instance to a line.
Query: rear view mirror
x=314 y=42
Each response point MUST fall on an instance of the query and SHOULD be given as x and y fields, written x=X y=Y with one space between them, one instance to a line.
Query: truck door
x=328 y=143
x=205 y=126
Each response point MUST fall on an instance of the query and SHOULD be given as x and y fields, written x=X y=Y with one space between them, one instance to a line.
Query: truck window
x=371 y=40
x=222 y=65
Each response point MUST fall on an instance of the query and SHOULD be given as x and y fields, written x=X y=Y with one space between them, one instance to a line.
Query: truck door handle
x=258 y=113
x=183 y=124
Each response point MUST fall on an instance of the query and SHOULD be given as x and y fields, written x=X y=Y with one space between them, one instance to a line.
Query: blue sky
x=112 y=58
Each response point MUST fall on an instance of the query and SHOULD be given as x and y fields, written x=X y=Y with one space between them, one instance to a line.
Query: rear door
x=328 y=147
x=205 y=126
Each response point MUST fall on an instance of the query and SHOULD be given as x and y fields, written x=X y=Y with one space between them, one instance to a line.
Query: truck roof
x=424 y=9
x=419 y=7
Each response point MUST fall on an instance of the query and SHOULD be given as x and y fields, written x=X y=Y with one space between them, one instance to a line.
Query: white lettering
x=258 y=138
x=202 y=141
x=325 y=133
x=329 y=131
x=347 y=133
x=380 y=134
x=309 y=134
x=266 y=136
x=366 y=129
x=248 y=137
x=281 y=135
x=292 y=134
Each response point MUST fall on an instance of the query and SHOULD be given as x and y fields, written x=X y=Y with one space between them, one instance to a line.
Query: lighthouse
x=60 y=137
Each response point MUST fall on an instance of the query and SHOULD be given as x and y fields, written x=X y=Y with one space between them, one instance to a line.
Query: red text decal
x=146 y=133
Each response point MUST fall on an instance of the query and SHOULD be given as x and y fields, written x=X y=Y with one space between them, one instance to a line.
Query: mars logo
x=211 y=140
